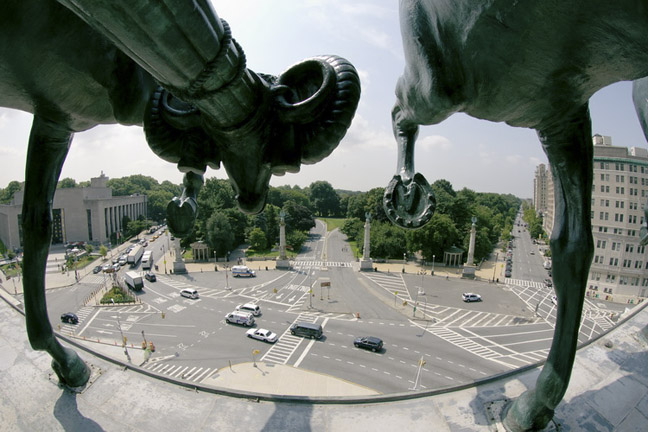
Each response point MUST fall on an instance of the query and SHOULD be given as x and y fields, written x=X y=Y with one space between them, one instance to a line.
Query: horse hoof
x=73 y=372
x=181 y=215
x=409 y=204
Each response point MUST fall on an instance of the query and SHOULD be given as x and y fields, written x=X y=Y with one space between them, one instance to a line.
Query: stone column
x=178 y=264
x=282 y=260
x=366 y=264
x=469 y=268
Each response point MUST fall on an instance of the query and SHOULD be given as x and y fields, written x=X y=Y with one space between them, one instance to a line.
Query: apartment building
x=619 y=270
x=89 y=214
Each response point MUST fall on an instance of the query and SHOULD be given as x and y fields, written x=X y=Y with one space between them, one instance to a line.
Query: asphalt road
x=443 y=342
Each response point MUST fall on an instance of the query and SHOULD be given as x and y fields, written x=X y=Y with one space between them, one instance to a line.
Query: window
x=629 y=248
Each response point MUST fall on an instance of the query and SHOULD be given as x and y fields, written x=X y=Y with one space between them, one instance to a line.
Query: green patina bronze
x=531 y=64
x=173 y=67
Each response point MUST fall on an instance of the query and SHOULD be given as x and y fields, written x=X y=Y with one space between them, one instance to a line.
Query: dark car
x=369 y=342
x=150 y=277
x=96 y=270
x=69 y=318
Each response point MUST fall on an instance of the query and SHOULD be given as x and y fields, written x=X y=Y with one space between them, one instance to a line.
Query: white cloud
x=434 y=143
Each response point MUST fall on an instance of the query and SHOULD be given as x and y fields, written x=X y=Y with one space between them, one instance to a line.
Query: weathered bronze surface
x=173 y=66
x=529 y=64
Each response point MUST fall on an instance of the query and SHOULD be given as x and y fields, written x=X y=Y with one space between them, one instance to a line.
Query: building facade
x=89 y=214
x=619 y=270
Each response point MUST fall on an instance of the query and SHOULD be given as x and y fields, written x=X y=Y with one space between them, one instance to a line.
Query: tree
x=439 y=235
x=103 y=251
x=219 y=235
x=6 y=194
x=324 y=199
x=257 y=239
x=295 y=240
x=298 y=218
x=66 y=183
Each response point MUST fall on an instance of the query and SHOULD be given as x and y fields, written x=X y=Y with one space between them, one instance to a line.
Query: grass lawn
x=332 y=223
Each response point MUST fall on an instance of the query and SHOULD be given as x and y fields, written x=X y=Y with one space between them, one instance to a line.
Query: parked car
x=368 y=342
x=108 y=268
x=554 y=300
x=548 y=282
x=250 y=307
x=97 y=269
x=471 y=297
x=262 y=334
x=189 y=293
x=69 y=318
x=507 y=273
x=116 y=267
x=150 y=277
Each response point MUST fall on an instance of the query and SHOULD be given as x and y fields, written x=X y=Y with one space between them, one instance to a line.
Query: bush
x=118 y=295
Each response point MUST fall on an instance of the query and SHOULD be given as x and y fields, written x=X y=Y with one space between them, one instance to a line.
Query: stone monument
x=178 y=262
x=282 y=260
x=366 y=264
x=468 y=271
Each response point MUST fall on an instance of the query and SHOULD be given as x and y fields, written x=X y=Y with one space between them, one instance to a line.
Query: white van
x=238 y=317
x=249 y=307
x=189 y=293
x=242 y=271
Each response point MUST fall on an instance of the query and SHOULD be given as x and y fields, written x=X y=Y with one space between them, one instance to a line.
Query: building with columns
x=90 y=214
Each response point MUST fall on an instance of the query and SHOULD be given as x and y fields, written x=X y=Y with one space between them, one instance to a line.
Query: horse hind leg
x=48 y=147
x=570 y=153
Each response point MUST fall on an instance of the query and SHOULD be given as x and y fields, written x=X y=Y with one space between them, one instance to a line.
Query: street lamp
x=433 y=264
x=404 y=261
x=495 y=266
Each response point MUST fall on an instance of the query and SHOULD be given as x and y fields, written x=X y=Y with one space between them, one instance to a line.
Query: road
x=443 y=342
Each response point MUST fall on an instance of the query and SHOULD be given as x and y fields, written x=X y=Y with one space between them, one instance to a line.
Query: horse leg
x=409 y=201
x=48 y=146
x=182 y=211
x=569 y=149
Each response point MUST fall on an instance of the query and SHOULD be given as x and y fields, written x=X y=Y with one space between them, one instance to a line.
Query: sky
x=471 y=153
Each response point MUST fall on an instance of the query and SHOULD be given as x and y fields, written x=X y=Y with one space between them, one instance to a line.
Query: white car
x=189 y=293
x=470 y=297
x=263 y=334
x=249 y=307
x=554 y=300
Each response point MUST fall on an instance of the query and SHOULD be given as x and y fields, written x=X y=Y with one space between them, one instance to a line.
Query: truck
x=135 y=255
x=147 y=260
x=242 y=271
x=134 y=280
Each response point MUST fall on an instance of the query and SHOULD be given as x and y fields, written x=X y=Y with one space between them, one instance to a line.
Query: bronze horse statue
x=532 y=64
x=173 y=67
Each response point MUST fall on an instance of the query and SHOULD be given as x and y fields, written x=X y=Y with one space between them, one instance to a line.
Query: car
x=532 y=253
x=471 y=297
x=115 y=260
x=69 y=318
x=116 y=267
x=554 y=300
x=249 y=307
x=97 y=269
x=108 y=268
x=263 y=335
x=189 y=293
x=548 y=282
x=150 y=277
x=507 y=273
x=122 y=261
x=368 y=342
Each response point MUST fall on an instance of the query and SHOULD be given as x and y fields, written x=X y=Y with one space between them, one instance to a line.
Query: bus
x=147 y=260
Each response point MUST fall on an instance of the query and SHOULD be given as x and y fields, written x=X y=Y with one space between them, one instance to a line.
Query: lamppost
x=404 y=260
x=433 y=257
x=495 y=266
